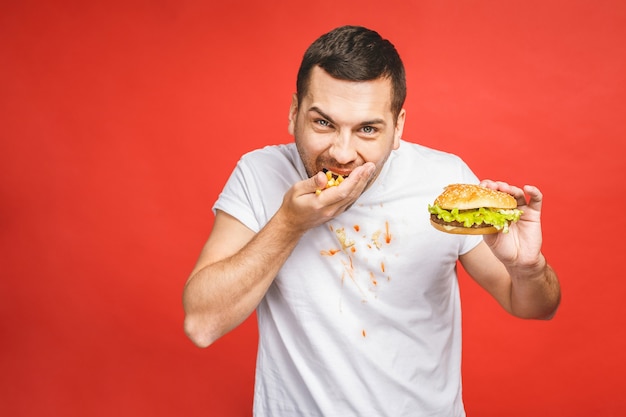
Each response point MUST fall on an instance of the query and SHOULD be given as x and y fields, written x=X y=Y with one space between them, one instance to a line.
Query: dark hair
x=355 y=53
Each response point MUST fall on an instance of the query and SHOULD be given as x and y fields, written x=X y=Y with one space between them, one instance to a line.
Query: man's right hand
x=304 y=209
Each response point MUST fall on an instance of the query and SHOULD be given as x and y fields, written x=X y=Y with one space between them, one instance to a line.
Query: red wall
x=120 y=122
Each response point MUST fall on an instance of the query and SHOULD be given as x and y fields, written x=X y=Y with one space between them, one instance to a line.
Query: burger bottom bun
x=459 y=230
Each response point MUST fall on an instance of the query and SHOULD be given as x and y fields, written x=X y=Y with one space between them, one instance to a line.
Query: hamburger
x=469 y=209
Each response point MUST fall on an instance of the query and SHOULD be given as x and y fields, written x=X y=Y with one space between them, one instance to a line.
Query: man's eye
x=323 y=123
x=368 y=130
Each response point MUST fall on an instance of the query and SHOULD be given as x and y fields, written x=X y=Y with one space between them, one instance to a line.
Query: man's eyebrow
x=330 y=119
x=372 y=122
x=321 y=113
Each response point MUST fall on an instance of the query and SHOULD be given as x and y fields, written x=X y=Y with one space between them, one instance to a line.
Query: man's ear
x=293 y=112
x=397 y=134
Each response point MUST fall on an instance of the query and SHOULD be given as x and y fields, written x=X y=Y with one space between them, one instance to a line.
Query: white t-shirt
x=364 y=317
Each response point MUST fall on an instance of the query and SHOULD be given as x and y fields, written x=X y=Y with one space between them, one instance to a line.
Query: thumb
x=318 y=181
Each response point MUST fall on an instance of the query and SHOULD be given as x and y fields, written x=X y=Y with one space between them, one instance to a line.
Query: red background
x=121 y=120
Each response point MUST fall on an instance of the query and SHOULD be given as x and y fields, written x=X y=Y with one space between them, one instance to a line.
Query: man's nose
x=342 y=149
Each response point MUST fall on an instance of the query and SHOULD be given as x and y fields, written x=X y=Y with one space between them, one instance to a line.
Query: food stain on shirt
x=376 y=237
x=345 y=241
x=348 y=267
x=373 y=279
x=375 y=240
x=387 y=234
x=362 y=270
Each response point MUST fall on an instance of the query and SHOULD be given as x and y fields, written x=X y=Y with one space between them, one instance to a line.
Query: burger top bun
x=470 y=196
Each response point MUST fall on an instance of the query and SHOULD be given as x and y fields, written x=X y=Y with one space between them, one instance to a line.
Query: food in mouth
x=332 y=180
x=470 y=209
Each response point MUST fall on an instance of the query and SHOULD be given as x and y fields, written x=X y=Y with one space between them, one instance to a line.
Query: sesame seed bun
x=470 y=196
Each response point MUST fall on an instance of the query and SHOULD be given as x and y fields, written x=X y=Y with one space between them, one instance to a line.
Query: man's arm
x=511 y=266
x=236 y=266
x=531 y=292
x=233 y=273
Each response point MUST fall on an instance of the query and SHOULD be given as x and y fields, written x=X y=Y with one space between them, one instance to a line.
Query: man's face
x=340 y=124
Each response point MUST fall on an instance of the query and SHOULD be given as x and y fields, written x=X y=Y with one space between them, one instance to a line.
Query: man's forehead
x=319 y=76
x=329 y=95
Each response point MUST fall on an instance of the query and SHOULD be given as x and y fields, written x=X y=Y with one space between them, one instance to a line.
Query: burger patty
x=436 y=219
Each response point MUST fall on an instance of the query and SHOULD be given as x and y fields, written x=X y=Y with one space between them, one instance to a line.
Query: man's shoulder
x=407 y=147
x=285 y=150
x=427 y=157
x=280 y=160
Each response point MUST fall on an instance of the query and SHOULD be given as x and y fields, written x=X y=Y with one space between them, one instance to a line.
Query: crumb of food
x=345 y=241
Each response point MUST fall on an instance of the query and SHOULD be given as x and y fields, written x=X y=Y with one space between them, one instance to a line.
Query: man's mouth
x=334 y=175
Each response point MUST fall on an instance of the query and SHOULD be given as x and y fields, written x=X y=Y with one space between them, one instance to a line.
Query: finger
x=516 y=192
x=358 y=178
x=365 y=171
x=488 y=183
x=319 y=181
x=504 y=187
x=498 y=186
x=509 y=189
x=350 y=188
x=536 y=197
x=362 y=175
x=314 y=184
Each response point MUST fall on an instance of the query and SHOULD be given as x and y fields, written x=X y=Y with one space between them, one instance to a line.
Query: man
x=355 y=292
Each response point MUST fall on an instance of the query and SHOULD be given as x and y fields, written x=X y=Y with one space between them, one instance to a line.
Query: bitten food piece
x=470 y=209
x=332 y=180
